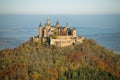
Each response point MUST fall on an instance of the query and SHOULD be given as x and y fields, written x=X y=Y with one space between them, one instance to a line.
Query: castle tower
x=66 y=28
x=74 y=32
x=66 y=25
x=40 y=31
x=45 y=33
x=57 y=24
x=47 y=25
x=59 y=31
x=48 y=22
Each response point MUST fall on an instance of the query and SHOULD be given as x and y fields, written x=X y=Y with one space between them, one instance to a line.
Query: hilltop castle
x=57 y=35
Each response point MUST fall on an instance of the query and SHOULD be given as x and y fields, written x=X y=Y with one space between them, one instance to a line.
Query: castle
x=57 y=35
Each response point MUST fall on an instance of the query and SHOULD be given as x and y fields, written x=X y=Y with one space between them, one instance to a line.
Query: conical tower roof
x=48 y=21
x=40 y=25
x=66 y=24
x=57 y=23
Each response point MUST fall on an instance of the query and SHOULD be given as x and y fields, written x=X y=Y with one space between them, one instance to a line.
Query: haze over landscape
x=91 y=18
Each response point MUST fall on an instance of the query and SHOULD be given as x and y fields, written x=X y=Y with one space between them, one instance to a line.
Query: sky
x=59 y=6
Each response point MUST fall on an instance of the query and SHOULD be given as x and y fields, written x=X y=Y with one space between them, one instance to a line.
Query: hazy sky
x=59 y=6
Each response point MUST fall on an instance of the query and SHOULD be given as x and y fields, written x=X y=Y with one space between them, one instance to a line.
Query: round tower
x=40 y=31
x=48 y=22
x=47 y=25
x=67 y=24
x=73 y=32
x=45 y=33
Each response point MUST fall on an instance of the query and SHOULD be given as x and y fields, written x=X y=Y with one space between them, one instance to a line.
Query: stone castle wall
x=35 y=39
x=64 y=37
x=80 y=40
x=61 y=42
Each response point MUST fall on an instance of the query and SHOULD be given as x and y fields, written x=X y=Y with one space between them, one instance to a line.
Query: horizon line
x=54 y=14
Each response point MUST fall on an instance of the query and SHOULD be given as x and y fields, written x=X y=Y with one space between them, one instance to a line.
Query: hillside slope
x=86 y=61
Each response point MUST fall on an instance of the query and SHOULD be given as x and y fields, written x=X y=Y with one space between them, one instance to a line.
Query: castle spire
x=66 y=24
x=48 y=21
x=40 y=25
x=57 y=24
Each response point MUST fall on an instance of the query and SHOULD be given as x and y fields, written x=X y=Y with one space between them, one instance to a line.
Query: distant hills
x=85 y=61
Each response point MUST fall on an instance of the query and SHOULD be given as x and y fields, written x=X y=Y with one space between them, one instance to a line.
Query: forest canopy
x=86 y=61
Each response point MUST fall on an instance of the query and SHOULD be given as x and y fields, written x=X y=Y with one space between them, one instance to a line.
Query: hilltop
x=84 y=61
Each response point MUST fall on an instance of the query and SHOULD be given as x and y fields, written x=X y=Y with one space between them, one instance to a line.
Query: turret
x=40 y=25
x=48 y=22
x=47 y=25
x=73 y=32
x=66 y=25
x=40 y=31
x=45 y=33
x=57 y=24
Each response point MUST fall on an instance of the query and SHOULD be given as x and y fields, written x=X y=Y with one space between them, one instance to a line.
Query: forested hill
x=86 y=61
